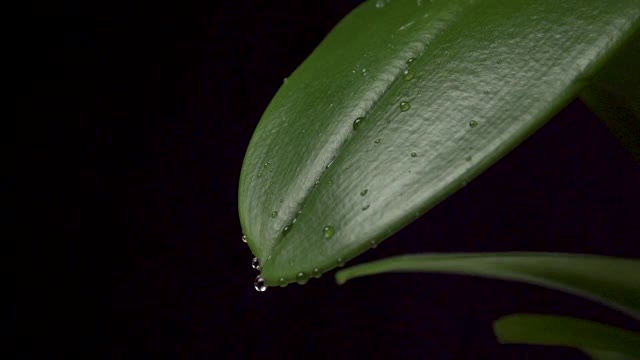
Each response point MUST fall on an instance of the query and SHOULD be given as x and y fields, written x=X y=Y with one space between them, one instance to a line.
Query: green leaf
x=612 y=281
x=614 y=94
x=599 y=340
x=608 y=355
x=444 y=89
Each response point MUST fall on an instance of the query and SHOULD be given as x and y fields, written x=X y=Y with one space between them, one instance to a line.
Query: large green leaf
x=444 y=88
x=600 y=341
x=612 y=281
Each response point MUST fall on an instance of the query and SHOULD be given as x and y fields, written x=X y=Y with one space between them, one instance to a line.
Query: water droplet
x=379 y=4
x=259 y=174
x=473 y=123
x=244 y=238
x=357 y=122
x=410 y=61
x=283 y=282
x=286 y=229
x=316 y=183
x=255 y=263
x=373 y=243
x=377 y=141
x=284 y=80
x=499 y=61
x=329 y=164
x=404 y=106
x=299 y=211
x=364 y=72
x=414 y=154
x=281 y=201
x=340 y=262
x=259 y=284
x=364 y=192
x=365 y=207
x=266 y=164
x=302 y=278
x=316 y=273
x=408 y=74
x=328 y=231
x=269 y=257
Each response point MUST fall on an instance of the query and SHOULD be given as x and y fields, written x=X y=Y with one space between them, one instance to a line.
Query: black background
x=129 y=153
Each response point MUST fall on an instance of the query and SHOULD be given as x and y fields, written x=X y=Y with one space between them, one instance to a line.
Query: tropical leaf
x=600 y=341
x=402 y=104
x=609 y=280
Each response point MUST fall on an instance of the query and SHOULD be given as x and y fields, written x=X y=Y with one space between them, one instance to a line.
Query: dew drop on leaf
x=404 y=106
x=255 y=263
x=328 y=231
x=244 y=238
x=357 y=122
x=259 y=284
x=413 y=154
x=408 y=74
x=473 y=123
x=274 y=214
x=364 y=192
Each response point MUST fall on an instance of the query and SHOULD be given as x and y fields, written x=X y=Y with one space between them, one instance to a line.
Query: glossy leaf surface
x=611 y=281
x=601 y=341
x=403 y=103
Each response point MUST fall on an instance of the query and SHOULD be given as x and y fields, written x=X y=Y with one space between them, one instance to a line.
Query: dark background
x=129 y=153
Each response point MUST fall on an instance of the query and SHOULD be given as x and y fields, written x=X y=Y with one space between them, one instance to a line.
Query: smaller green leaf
x=598 y=339
x=607 y=355
x=612 y=281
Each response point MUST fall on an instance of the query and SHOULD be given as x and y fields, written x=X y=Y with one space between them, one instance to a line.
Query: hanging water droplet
x=259 y=284
x=244 y=238
x=286 y=229
x=373 y=243
x=365 y=207
x=274 y=214
x=340 y=262
x=410 y=61
x=255 y=263
x=414 y=154
x=357 y=122
x=377 y=141
x=328 y=231
x=364 y=192
x=316 y=273
x=302 y=279
x=284 y=80
x=404 y=106
x=408 y=74
x=473 y=123
x=283 y=282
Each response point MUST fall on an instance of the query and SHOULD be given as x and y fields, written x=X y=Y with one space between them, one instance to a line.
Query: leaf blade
x=599 y=339
x=612 y=281
x=473 y=61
